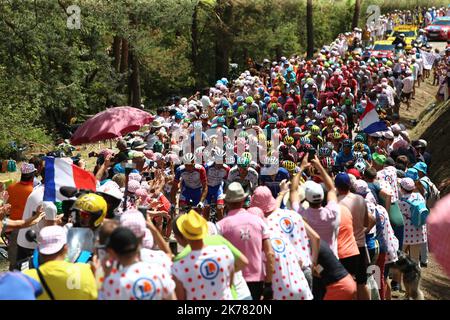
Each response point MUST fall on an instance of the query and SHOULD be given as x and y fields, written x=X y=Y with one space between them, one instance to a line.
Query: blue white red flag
x=59 y=173
x=369 y=121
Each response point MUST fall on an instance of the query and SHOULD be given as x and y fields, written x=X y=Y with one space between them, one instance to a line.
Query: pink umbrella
x=111 y=123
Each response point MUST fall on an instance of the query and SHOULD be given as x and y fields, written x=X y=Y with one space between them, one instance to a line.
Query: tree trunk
x=224 y=37
x=116 y=52
x=124 y=60
x=356 y=14
x=194 y=43
x=309 y=29
x=135 y=85
x=278 y=53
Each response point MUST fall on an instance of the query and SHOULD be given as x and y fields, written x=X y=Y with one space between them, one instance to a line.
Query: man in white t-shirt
x=34 y=204
x=408 y=87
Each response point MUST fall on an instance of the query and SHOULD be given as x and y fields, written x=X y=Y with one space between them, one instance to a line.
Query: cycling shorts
x=188 y=194
x=215 y=195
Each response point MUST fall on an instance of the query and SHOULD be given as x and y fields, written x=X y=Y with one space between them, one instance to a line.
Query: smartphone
x=311 y=154
x=143 y=210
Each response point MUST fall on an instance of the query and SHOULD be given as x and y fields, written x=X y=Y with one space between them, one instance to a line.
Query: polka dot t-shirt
x=140 y=281
x=384 y=231
x=412 y=235
x=291 y=225
x=206 y=273
x=288 y=282
x=158 y=257
x=388 y=180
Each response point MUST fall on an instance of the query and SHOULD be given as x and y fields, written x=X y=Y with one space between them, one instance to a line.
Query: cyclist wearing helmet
x=290 y=166
x=216 y=174
x=176 y=123
x=329 y=126
x=253 y=110
x=231 y=121
x=345 y=156
x=328 y=109
x=272 y=174
x=361 y=147
x=244 y=174
x=220 y=125
x=347 y=98
x=289 y=143
x=91 y=210
x=193 y=180
x=285 y=153
x=271 y=128
x=205 y=121
x=328 y=164
x=314 y=136
x=239 y=103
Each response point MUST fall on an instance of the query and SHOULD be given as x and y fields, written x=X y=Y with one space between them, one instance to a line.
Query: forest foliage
x=133 y=52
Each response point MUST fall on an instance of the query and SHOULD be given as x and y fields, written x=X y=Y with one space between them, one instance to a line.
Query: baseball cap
x=361 y=187
x=135 y=221
x=407 y=184
x=18 y=286
x=313 y=192
x=122 y=241
x=342 y=180
x=27 y=168
x=51 y=239
x=354 y=172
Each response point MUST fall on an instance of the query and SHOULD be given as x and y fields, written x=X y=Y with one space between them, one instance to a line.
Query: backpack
x=433 y=193
x=12 y=167
x=419 y=211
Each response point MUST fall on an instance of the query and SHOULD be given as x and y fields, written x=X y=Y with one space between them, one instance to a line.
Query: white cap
x=52 y=239
x=313 y=192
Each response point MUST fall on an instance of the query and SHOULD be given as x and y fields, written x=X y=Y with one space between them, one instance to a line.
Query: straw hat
x=192 y=226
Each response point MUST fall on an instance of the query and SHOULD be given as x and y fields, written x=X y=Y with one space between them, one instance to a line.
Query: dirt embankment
x=434 y=127
x=430 y=121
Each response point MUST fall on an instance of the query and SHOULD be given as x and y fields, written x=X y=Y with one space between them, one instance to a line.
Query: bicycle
x=4 y=247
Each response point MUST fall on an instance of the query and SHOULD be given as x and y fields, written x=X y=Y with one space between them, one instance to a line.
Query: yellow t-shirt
x=67 y=281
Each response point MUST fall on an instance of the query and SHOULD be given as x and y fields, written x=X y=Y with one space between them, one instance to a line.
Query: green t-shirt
x=215 y=240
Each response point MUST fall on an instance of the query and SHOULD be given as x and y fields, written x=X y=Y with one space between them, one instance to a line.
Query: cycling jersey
x=191 y=179
x=215 y=176
x=342 y=159
x=273 y=182
x=249 y=182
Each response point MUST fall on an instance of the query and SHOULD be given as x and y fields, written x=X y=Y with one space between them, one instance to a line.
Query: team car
x=410 y=32
x=382 y=49
x=439 y=29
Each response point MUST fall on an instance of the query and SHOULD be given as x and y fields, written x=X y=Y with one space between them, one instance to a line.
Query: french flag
x=369 y=121
x=61 y=173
